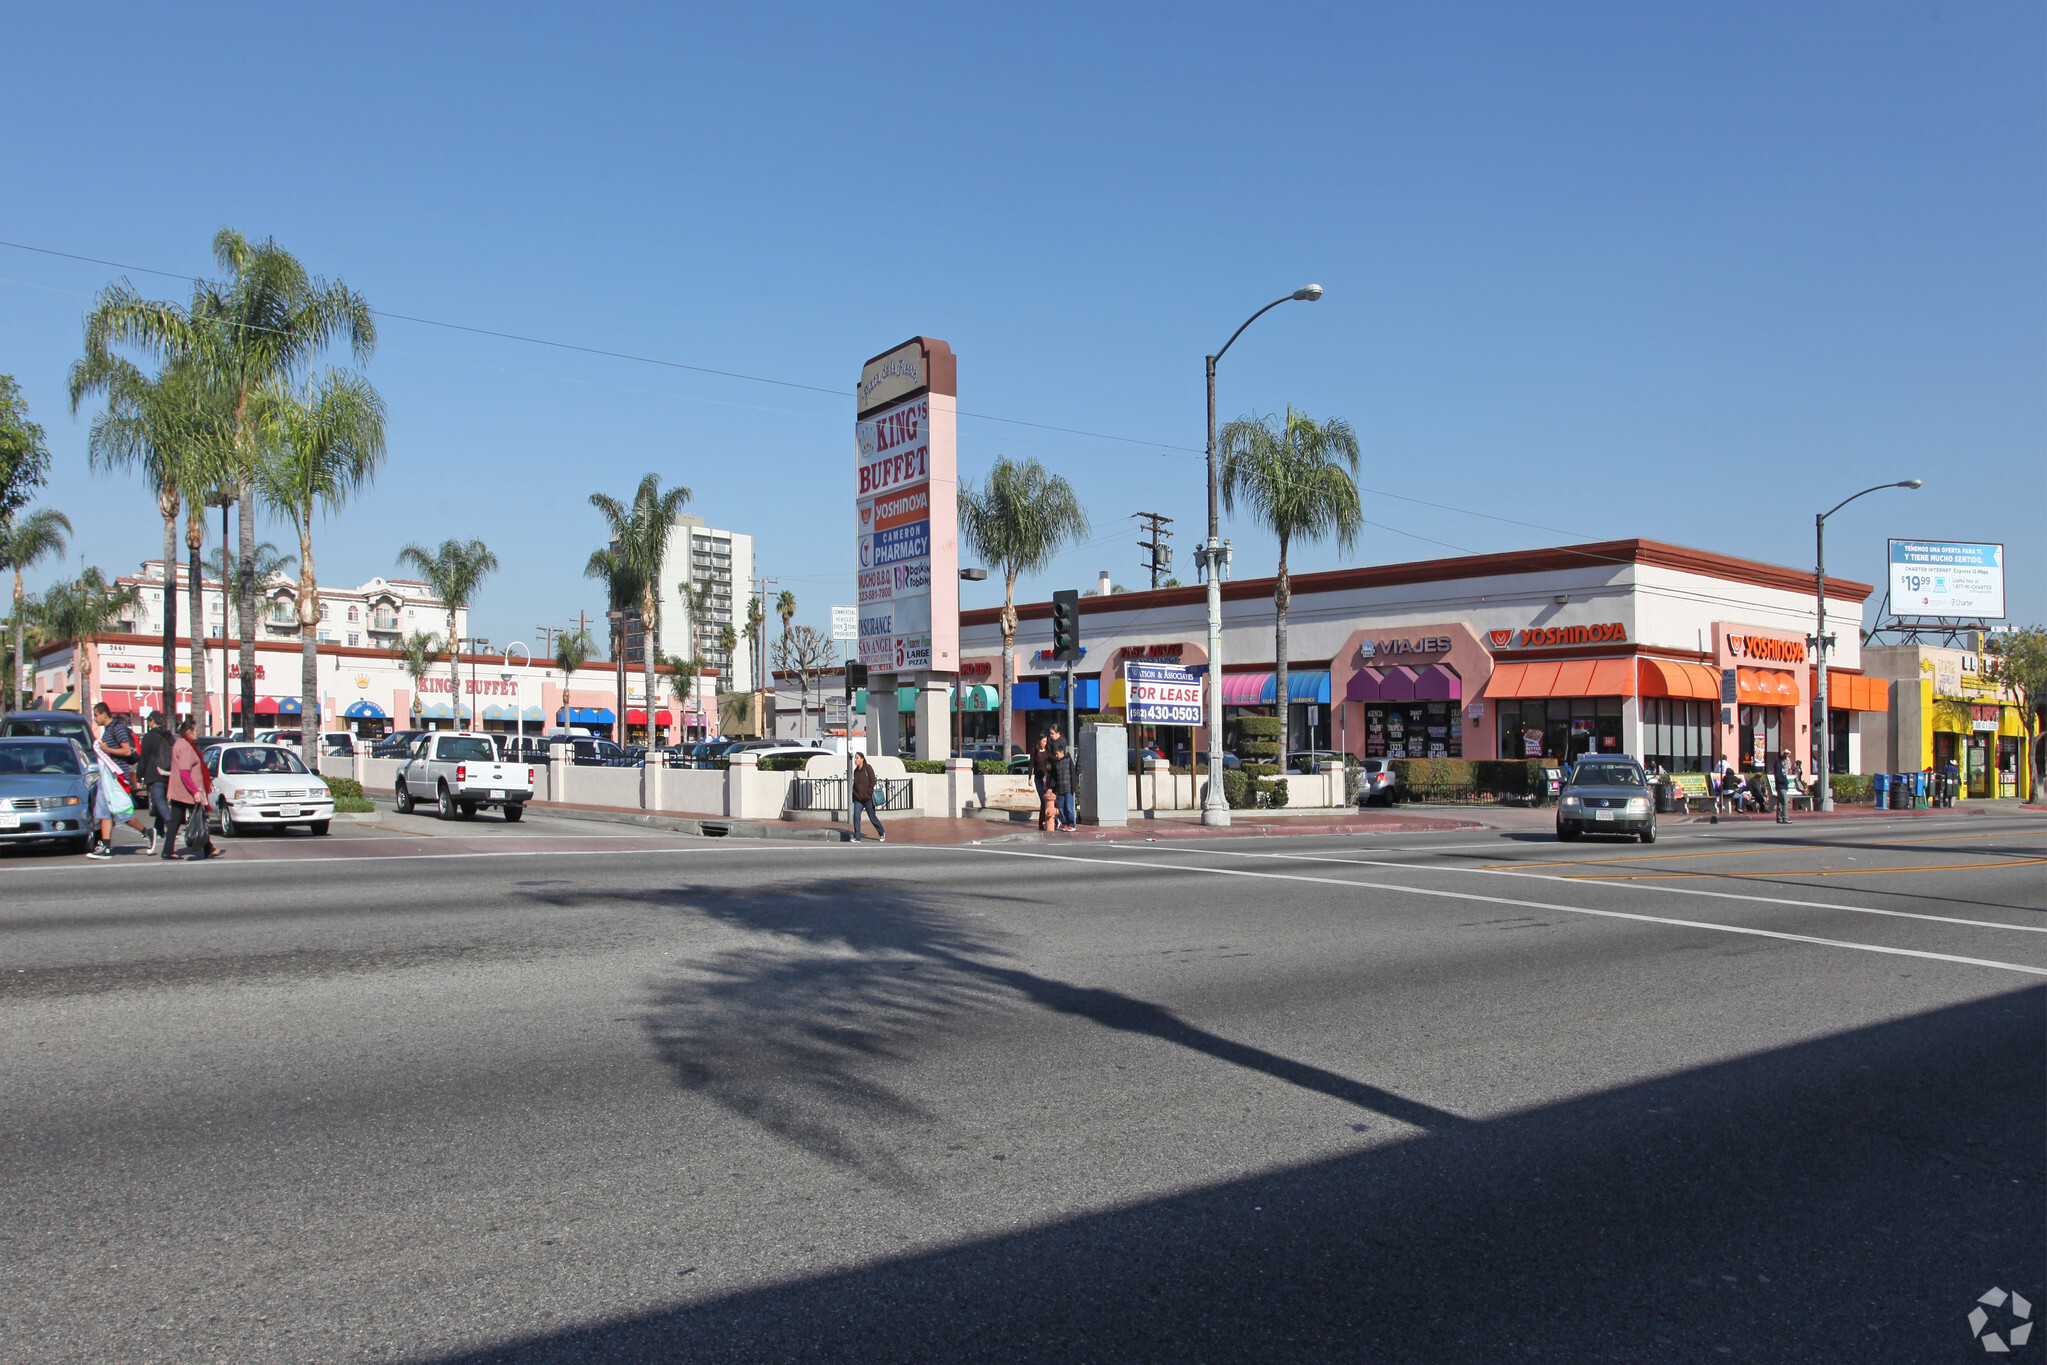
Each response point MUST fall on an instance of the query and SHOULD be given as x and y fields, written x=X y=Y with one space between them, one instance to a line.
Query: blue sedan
x=45 y=791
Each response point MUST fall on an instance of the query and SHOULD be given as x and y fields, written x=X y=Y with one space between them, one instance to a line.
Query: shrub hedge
x=1479 y=776
x=785 y=763
x=1854 y=789
x=346 y=787
x=923 y=765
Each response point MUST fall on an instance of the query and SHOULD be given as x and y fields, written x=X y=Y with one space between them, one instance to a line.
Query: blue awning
x=1309 y=686
x=1087 y=696
x=290 y=706
x=439 y=710
x=500 y=713
x=586 y=715
x=532 y=713
x=364 y=710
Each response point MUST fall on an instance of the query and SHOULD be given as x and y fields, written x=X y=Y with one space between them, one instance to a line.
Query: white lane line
x=1635 y=886
x=1523 y=905
x=747 y=846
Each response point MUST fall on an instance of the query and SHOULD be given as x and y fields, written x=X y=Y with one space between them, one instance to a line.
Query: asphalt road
x=564 y=1094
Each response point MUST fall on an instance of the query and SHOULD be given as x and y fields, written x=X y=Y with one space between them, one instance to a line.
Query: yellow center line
x=1828 y=872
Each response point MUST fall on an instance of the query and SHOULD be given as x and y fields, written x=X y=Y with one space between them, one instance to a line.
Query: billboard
x=1161 y=694
x=1947 y=578
x=906 y=509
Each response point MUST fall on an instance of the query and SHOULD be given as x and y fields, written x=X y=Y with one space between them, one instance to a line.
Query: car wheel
x=318 y=826
x=228 y=828
x=468 y=809
x=514 y=812
x=1567 y=835
x=447 y=804
x=1648 y=836
x=404 y=798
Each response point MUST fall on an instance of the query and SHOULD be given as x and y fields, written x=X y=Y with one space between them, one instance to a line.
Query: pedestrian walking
x=153 y=770
x=113 y=795
x=1063 y=775
x=1041 y=777
x=191 y=789
x=1780 y=778
x=863 y=798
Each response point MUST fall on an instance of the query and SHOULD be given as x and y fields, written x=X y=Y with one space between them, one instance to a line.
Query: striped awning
x=1247 y=689
x=1675 y=678
x=1569 y=678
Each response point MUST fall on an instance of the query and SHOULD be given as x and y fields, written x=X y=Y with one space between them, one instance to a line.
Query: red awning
x=266 y=706
x=663 y=718
x=120 y=703
x=636 y=718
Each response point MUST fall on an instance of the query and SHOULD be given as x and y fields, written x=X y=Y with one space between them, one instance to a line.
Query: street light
x=476 y=643
x=1211 y=557
x=505 y=676
x=1823 y=737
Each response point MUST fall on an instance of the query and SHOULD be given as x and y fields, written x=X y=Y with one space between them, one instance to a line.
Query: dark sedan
x=45 y=791
x=1607 y=796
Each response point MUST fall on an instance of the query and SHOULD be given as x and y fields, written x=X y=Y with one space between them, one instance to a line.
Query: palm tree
x=1298 y=480
x=260 y=325
x=622 y=595
x=325 y=442
x=639 y=541
x=415 y=654
x=728 y=640
x=174 y=429
x=454 y=572
x=77 y=611
x=24 y=543
x=1018 y=523
x=572 y=650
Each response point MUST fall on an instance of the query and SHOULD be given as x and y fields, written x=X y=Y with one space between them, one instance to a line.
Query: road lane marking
x=1774 y=848
x=1673 y=890
x=1521 y=905
x=1792 y=872
x=721 y=846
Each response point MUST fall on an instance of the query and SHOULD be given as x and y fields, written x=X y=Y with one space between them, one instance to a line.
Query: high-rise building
x=702 y=557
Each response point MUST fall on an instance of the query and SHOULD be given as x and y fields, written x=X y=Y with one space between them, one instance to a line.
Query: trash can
x=1666 y=798
x=1883 y=790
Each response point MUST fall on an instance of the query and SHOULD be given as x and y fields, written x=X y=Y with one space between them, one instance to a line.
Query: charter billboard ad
x=1947 y=578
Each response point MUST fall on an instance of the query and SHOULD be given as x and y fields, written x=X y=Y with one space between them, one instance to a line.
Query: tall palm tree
x=325 y=442
x=24 y=543
x=1299 y=480
x=415 y=655
x=262 y=324
x=77 y=611
x=572 y=649
x=174 y=429
x=454 y=571
x=728 y=640
x=1018 y=522
x=622 y=595
x=638 y=536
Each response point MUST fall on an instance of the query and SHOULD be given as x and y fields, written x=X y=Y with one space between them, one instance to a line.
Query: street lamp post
x=1215 y=807
x=475 y=643
x=1823 y=733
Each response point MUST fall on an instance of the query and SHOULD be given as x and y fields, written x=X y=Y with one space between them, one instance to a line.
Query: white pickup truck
x=459 y=772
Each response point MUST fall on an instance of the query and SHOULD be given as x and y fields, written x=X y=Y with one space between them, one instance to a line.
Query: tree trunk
x=454 y=672
x=20 y=643
x=245 y=607
x=1282 y=594
x=309 y=654
x=195 y=596
x=227 y=616
x=647 y=650
x=167 y=701
x=1008 y=680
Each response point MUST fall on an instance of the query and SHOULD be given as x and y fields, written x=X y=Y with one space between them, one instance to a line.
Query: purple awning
x=1438 y=682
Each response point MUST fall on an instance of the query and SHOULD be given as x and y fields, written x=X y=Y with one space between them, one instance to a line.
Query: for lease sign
x=1160 y=694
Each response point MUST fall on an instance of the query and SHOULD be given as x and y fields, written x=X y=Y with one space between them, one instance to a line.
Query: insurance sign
x=1161 y=694
x=1947 y=578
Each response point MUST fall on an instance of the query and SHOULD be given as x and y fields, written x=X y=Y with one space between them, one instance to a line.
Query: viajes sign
x=1369 y=649
x=906 y=487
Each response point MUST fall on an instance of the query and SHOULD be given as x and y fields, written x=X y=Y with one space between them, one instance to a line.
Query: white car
x=1375 y=781
x=265 y=784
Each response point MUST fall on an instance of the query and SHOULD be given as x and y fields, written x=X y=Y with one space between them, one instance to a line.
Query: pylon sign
x=906 y=500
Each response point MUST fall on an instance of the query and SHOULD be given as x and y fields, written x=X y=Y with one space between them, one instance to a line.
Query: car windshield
x=56 y=756
x=467 y=750
x=260 y=761
x=1606 y=775
x=63 y=729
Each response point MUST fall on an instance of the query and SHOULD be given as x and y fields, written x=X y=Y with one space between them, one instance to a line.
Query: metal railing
x=829 y=793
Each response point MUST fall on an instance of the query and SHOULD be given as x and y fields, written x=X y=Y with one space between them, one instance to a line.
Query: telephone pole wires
x=1160 y=544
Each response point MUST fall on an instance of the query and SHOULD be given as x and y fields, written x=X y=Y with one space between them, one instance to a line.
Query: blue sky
x=1691 y=273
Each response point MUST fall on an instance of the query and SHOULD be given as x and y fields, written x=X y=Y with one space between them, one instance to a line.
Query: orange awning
x=1671 y=678
x=1765 y=687
x=1571 y=678
x=1612 y=678
x=1853 y=692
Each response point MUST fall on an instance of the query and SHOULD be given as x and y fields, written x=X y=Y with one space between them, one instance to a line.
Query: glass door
x=1977 y=770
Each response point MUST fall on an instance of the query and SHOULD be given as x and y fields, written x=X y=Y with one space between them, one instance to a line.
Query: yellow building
x=1945 y=711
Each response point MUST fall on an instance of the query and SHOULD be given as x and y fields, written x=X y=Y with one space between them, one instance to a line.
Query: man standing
x=153 y=766
x=115 y=749
x=1780 y=778
x=1062 y=782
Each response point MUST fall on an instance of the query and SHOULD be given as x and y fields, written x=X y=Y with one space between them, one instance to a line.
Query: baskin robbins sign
x=905 y=500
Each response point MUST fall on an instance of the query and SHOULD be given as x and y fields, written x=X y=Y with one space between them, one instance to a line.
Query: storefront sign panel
x=1159 y=694
x=1550 y=637
x=905 y=503
x=1947 y=578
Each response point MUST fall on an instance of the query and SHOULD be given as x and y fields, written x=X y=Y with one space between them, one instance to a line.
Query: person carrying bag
x=191 y=792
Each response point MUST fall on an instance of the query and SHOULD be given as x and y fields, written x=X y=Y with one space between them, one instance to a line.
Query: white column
x=934 y=719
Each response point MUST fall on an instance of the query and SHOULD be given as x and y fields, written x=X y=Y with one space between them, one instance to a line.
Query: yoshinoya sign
x=1160 y=694
x=1546 y=637
x=1766 y=648
x=1947 y=578
x=906 y=488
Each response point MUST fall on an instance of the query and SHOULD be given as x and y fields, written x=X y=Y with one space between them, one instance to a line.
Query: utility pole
x=547 y=634
x=760 y=654
x=1160 y=543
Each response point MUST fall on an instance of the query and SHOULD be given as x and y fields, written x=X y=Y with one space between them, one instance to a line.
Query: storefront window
x=1560 y=727
x=1760 y=736
x=1677 y=735
x=1837 y=741
x=1414 y=729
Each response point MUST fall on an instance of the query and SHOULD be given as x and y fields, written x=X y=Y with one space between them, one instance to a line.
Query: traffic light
x=1066 y=626
x=1052 y=688
x=856 y=677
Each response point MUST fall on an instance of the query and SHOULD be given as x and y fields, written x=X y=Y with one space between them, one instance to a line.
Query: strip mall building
x=1614 y=647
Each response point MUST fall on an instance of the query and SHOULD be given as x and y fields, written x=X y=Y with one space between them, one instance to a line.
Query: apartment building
x=371 y=615
x=701 y=556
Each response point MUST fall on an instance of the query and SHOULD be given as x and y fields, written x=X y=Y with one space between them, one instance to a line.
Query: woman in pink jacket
x=191 y=792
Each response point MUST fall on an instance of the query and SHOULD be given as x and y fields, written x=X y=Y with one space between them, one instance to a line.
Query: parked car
x=45 y=791
x=589 y=752
x=259 y=785
x=1375 y=782
x=66 y=724
x=397 y=744
x=1607 y=796
x=1306 y=761
x=759 y=749
x=707 y=752
x=461 y=773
